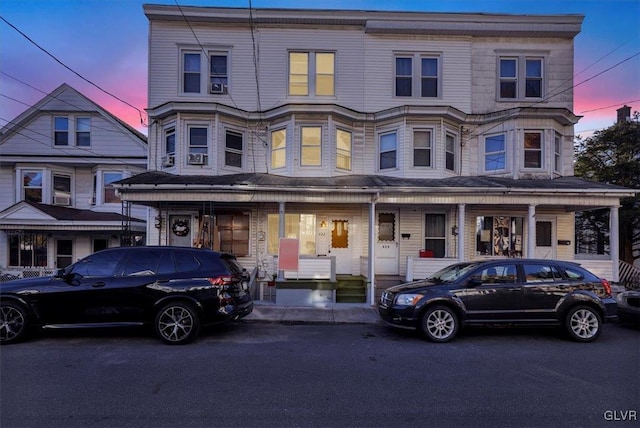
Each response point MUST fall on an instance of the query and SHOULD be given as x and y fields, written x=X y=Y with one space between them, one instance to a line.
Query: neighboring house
x=58 y=161
x=389 y=144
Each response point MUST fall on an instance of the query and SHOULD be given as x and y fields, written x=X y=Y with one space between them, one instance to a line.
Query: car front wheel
x=439 y=324
x=583 y=324
x=177 y=323
x=13 y=322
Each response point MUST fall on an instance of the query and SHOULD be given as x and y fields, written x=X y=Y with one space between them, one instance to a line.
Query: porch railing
x=629 y=275
x=7 y=274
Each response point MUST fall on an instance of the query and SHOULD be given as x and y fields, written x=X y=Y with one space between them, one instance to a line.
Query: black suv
x=509 y=291
x=174 y=289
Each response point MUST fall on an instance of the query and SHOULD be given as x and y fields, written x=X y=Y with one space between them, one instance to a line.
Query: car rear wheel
x=583 y=324
x=439 y=324
x=13 y=322
x=177 y=323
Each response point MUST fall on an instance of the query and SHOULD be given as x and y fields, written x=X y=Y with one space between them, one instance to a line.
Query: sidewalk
x=341 y=313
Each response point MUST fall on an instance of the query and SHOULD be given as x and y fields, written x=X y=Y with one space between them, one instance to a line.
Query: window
x=64 y=253
x=311 y=146
x=27 y=249
x=343 y=149
x=557 y=153
x=533 y=150
x=191 y=72
x=32 y=186
x=99 y=244
x=540 y=273
x=198 y=137
x=109 y=192
x=83 y=131
x=61 y=131
x=544 y=233
x=218 y=77
x=233 y=149
x=170 y=142
x=495 y=155
x=233 y=230
x=520 y=77
x=450 y=152
x=428 y=71
x=498 y=274
x=388 y=150
x=299 y=226
x=434 y=234
x=278 y=148
x=422 y=148
x=499 y=236
x=403 y=76
x=312 y=73
x=61 y=190
x=98 y=264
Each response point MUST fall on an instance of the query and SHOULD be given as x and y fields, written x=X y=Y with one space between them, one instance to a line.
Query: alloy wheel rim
x=175 y=323
x=584 y=324
x=11 y=323
x=440 y=324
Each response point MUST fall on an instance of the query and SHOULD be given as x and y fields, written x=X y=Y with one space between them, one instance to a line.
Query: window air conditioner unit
x=218 y=88
x=168 y=160
x=196 y=158
x=62 y=200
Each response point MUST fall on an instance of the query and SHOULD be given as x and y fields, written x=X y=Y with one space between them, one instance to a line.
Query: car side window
x=574 y=274
x=499 y=274
x=186 y=262
x=142 y=262
x=98 y=264
x=540 y=273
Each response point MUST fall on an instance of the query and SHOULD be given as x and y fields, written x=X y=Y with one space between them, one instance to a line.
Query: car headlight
x=408 y=299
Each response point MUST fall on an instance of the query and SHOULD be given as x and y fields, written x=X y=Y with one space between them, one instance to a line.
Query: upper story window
x=61 y=189
x=198 y=145
x=343 y=149
x=83 y=131
x=278 y=149
x=195 y=79
x=427 y=83
x=312 y=73
x=32 y=182
x=61 y=131
x=108 y=191
x=233 y=149
x=169 y=158
x=388 y=150
x=422 y=148
x=557 y=153
x=311 y=146
x=450 y=152
x=532 y=146
x=495 y=153
x=520 y=77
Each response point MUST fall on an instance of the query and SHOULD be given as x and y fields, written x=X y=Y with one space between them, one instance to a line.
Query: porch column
x=531 y=232
x=372 y=252
x=281 y=232
x=614 y=243
x=461 y=234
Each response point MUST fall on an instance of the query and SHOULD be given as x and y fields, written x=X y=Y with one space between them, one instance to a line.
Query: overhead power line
x=140 y=112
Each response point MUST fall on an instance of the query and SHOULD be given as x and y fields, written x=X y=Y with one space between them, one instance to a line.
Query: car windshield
x=452 y=273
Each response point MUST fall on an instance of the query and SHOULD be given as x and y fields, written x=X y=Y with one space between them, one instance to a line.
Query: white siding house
x=389 y=144
x=58 y=162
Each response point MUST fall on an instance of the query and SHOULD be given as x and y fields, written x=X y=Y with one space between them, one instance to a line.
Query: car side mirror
x=72 y=278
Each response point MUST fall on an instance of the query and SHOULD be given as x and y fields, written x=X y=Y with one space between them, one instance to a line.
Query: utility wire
x=140 y=112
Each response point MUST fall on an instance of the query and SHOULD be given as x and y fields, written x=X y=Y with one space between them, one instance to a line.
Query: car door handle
x=98 y=284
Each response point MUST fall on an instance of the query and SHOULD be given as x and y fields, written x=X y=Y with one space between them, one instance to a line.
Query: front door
x=545 y=232
x=340 y=243
x=386 y=262
x=180 y=230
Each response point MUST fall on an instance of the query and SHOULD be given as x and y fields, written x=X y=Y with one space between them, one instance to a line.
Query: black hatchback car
x=502 y=292
x=174 y=289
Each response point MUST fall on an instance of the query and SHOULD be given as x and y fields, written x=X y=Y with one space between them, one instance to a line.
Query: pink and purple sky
x=105 y=41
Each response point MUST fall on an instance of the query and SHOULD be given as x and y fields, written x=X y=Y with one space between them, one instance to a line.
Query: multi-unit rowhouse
x=58 y=162
x=326 y=145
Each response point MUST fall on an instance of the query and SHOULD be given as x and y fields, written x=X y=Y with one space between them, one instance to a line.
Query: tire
x=439 y=324
x=177 y=323
x=583 y=324
x=14 y=322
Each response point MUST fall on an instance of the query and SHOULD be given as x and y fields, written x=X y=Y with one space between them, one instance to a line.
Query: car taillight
x=221 y=280
x=607 y=287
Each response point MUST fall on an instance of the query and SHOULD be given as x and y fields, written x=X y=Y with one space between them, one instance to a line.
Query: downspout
x=372 y=252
